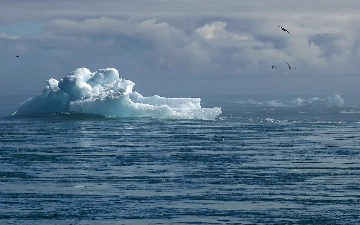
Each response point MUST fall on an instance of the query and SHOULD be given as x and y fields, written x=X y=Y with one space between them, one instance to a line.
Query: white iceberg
x=105 y=93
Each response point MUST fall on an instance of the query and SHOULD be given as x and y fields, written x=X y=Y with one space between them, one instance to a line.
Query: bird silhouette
x=288 y=64
x=284 y=29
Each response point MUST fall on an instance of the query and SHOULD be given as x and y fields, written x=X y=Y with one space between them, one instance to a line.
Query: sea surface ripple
x=81 y=169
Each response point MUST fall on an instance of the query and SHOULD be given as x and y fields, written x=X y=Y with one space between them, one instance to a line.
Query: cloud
x=216 y=30
x=236 y=42
x=7 y=36
x=91 y=26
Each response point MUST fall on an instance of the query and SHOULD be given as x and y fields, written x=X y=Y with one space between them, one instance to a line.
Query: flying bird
x=284 y=29
x=17 y=56
x=288 y=65
x=273 y=67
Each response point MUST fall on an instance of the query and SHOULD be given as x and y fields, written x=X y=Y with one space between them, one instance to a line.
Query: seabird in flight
x=282 y=28
x=288 y=64
x=273 y=67
x=17 y=56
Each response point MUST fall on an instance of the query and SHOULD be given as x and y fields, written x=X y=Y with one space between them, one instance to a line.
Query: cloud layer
x=186 y=46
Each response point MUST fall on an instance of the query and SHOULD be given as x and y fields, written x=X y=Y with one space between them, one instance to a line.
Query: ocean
x=263 y=160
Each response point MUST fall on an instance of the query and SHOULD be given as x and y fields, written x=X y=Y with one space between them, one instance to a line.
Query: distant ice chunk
x=335 y=101
x=274 y=103
x=297 y=102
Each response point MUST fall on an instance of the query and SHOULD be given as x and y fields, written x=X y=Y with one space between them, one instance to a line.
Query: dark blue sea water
x=258 y=163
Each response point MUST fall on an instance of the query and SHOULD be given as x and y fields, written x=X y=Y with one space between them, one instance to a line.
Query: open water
x=254 y=164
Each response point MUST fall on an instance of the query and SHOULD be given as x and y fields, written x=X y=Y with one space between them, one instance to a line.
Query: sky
x=185 y=47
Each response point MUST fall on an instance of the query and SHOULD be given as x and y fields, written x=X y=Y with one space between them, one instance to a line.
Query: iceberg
x=104 y=92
